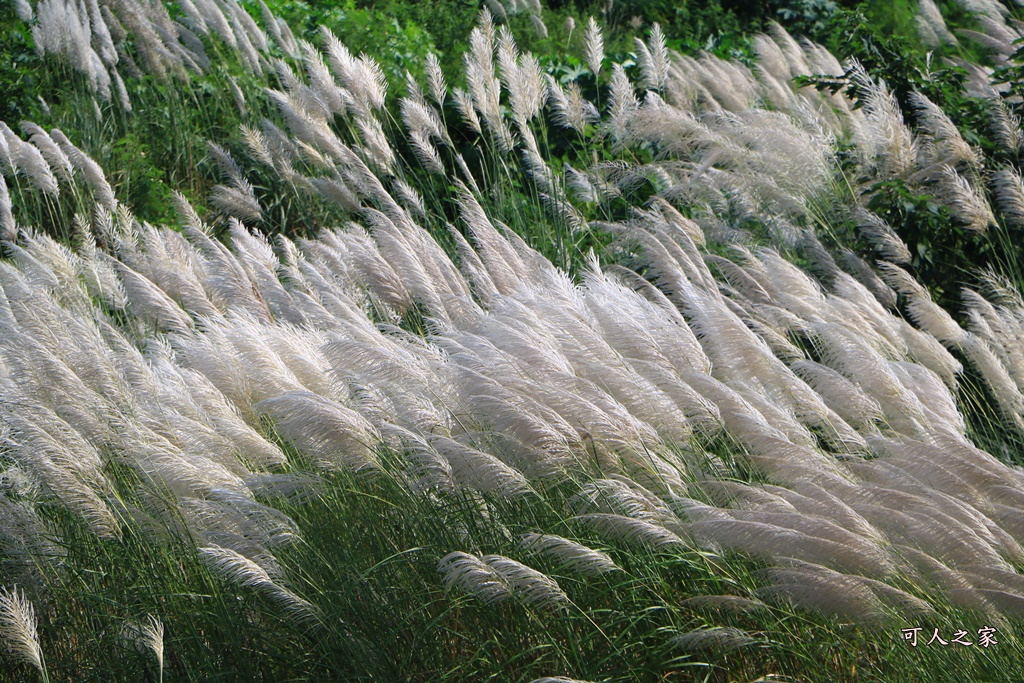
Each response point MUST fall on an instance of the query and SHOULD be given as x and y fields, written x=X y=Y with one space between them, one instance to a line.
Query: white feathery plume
x=483 y=86
x=24 y=10
x=849 y=597
x=479 y=470
x=150 y=302
x=538 y=25
x=888 y=145
x=932 y=26
x=1008 y=188
x=494 y=578
x=435 y=79
x=474 y=576
x=257 y=144
x=882 y=237
x=18 y=628
x=522 y=77
x=526 y=583
x=53 y=154
x=717 y=639
x=1008 y=395
x=572 y=555
x=149 y=634
x=779 y=535
x=89 y=169
x=8 y=228
x=843 y=396
x=622 y=105
x=464 y=102
x=237 y=200
x=632 y=531
x=724 y=603
x=653 y=58
x=945 y=144
x=496 y=9
x=29 y=161
x=594 y=47
x=361 y=76
x=101 y=34
x=376 y=149
x=790 y=49
x=572 y=110
x=928 y=315
x=210 y=15
x=410 y=199
x=270 y=23
x=328 y=432
x=224 y=161
x=967 y=203
x=245 y=572
x=622 y=495
x=1004 y=126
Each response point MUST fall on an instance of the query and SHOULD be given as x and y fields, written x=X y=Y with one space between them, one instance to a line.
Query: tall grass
x=493 y=415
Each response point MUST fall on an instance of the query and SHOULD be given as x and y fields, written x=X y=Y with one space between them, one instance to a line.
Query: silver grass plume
x=622 y=105
x=947 y=145
x=967 y=203
x=224 y=161
x=1008 y=188
x=724 y=603
x=887 y=142
x=817 y=588
x=464 y=103
x=538 y=25
x=570 y=554
x=18 y=628
x=716 y=639
x=361 y=76
x=495 y=578
x=928 y=315
x=526 y=583
x=257 y=144
x=243 y=571
x=522 y=78
x=29 y=161
x=376 y=150
x=883 y=238
x=23 y=10
x=474 y=576
x=122 y=91
x=497 y=10
x=594 y=46
x=237 y=199
x=653 y=58
x=632 y=531
x=331 y=434
x=1004 y=126
x=435 y=80
x=90 y=170
x=8 y=229
x=572 y=110
x=931 y=24
x=150 y=635
x=53 y=154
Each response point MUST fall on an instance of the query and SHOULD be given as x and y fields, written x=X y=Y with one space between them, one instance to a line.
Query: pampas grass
x=698 y=417
x=18 y=629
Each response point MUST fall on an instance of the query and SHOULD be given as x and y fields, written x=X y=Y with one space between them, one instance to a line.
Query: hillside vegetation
x=647 y=341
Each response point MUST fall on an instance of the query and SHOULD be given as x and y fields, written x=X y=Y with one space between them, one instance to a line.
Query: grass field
x=614 y=361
